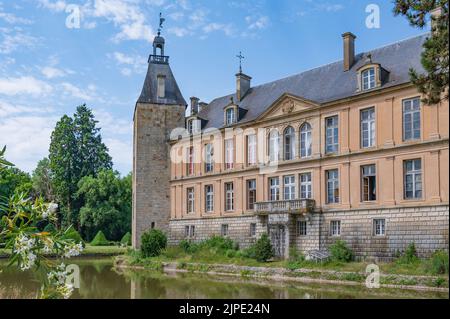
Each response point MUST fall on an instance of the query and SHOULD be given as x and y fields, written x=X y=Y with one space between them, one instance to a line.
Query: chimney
x=194 y=105
x=202 y=106
x=349 y=50
x=242 y=85
x=436 y=13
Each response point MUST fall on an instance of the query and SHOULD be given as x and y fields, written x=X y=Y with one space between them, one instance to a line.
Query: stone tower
x=159 y=109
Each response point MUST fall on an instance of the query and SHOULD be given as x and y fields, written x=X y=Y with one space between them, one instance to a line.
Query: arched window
x=230 y=116
x=305 y=140
x=368 y=79
x=289 y=143
x=274 y=145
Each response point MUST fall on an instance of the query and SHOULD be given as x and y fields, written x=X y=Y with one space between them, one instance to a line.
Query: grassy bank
x=88 y=251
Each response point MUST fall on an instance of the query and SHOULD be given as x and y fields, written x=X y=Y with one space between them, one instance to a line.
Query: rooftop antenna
x=240 y=57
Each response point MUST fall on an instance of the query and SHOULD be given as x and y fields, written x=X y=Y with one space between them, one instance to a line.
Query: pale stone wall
x=151 y=166
x=427 y=227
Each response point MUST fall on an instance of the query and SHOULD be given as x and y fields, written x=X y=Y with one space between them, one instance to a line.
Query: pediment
x=288 y=104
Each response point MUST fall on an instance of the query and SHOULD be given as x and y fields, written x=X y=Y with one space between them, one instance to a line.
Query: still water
x=99 y=280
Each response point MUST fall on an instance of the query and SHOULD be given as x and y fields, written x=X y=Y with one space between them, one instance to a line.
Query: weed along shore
x=220 y=256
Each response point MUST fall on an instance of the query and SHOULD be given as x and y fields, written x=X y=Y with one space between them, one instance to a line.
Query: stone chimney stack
x=349 y=50
x=202 y=106
x=242 y=85
x=194 y=105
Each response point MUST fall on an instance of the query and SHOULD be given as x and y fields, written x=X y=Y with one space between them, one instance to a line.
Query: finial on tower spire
x=240 y=57
x=161 y=21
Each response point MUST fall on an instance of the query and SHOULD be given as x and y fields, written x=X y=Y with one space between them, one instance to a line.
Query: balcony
x=296 y=206
x=159 y=59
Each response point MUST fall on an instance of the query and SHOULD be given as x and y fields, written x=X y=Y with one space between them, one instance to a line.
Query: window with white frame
x=305 y=186
x=190 y=195
x=230 y=115
x=224 y=230
x=301 y=228
x=289 y=143
x=252 y=230
x=413 y=179
x=368 y=127
x=411 y=119
x=251 y=149
x=332 y=134
x=305 y=140
x=251 y=194
x=368 y=183
x=190 y=160
x=379 y=227
x=289 y=187
x=368 y=79
x=229 y=197
x=229 y=153
x=209 y=198
x=274 y=146
x=274 y=190
x=335 y=227
x=209 y=159
x=332 y=177
x=187 y=230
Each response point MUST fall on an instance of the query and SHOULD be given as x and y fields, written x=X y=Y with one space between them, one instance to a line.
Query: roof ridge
x=327 y=64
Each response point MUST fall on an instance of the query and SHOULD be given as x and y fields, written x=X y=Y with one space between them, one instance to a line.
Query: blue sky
x=47 y=69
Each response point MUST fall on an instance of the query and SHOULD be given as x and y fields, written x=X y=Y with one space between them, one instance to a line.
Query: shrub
x=340 y=252
x=100 y=240
x=50 y=228
x=219 y=243
x=126 y=239
x=439 y=263
x=409 y=256
x=71 y=233
x=263 y=249
x=152 y=243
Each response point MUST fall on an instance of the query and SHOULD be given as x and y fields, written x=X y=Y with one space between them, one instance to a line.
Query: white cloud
x=258 y=23
x=51 y=72
x=226 y=28
x=12 y=19
x=24 y=85
x=130 y=64
x=121 y=153
x=85 y=95
x=57 y=6
x=179 y=32
x=8 y=109
x=13 y=39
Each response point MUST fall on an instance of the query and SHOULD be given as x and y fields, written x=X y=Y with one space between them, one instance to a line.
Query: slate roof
x=323 y=84
x=149 y=94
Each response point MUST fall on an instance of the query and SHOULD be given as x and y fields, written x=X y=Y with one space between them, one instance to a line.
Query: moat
x=100 y=281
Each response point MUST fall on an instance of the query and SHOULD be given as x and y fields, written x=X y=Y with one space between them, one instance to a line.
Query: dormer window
x=230 y=116
x=368 y=79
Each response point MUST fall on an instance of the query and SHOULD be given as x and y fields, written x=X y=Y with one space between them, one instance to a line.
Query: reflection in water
x=99 y=280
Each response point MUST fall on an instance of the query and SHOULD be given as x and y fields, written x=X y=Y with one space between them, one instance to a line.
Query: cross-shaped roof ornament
x=240 y=57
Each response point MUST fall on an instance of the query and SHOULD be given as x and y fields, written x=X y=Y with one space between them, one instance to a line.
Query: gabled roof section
x=173 y=94
x=323 y=84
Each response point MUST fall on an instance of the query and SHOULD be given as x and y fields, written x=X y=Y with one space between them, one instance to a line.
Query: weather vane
x=161 y=21
x=240 y=57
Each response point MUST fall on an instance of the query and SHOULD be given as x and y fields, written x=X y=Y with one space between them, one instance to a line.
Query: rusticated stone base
x=427 y=227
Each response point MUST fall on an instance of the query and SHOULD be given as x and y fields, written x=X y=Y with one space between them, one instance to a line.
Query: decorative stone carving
x=288 y=106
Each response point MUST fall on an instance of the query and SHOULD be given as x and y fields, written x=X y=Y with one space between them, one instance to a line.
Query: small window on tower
x=161 y=86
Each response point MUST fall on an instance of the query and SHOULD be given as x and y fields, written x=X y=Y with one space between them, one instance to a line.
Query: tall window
x=368 y=127
x=209 y=198
x=230 y=116
x=190 y=161
x=332 y=134
x=413 y=179
x=301 y=228
x=305 y=140
x=252 y=230
x=289 y=187
x=332 y=186
x=379 y=227
x=335 y=227
x=368 y=79
x=189 y=231
x=251 y=150
x=229 y=197
x=411 y=119
x=209 y=162
x=368 y=183
x=190 y=200
x=224 y=230
x=274 y=184
x=289 y=143
x=229 y=153
x=305 y=186
x=251 y=194
x=274 y=145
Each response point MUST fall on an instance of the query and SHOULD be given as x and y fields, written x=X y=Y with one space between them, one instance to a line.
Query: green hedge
x=340 y=252
x=100 y=240
x=126 y=239
x=152 y=243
